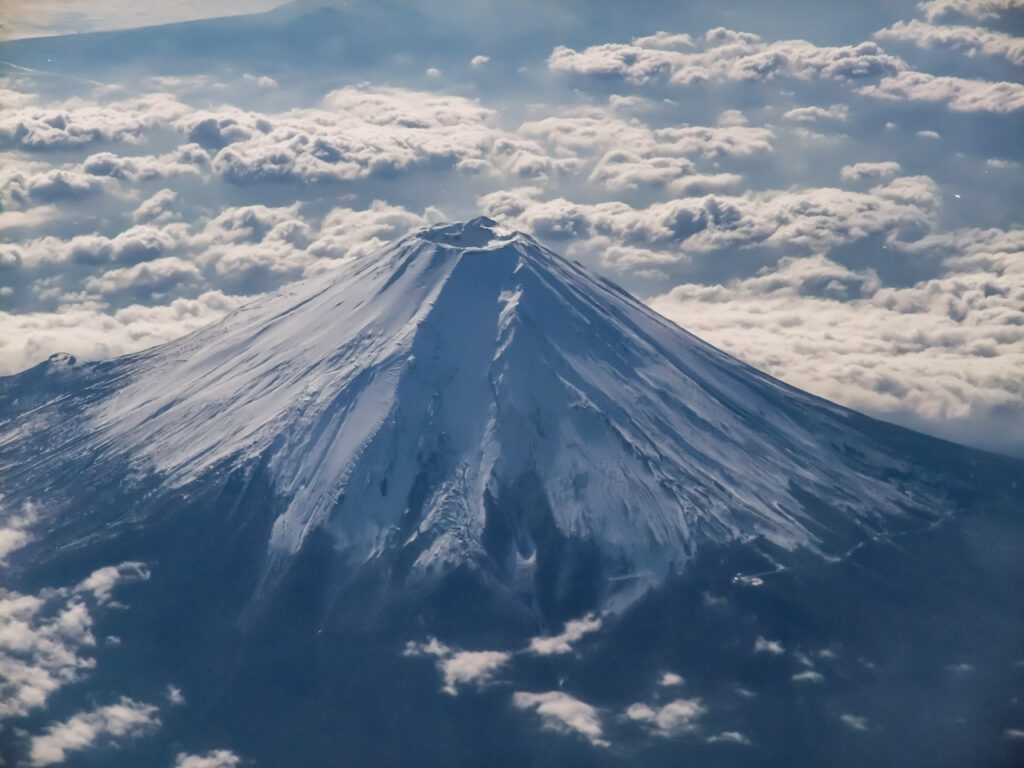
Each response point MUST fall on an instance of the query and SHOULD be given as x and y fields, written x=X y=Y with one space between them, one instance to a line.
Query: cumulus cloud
x=677 y=718
x=126 y=719
x=947 y=352
x=736 y=56
x=562 y=643
x=809 y=676
x=178 y=275
x=969 y=40
x=813 y=219
x=156 y=209
x=479 y=61
x=728 y=737
x=838 y=112
x=101 y=583
x=620 y=154
x=979 y=9
x=74 y=124
x=961 y=94
x=174 y=696
x=347 y=233
x=14 y=529
x=459 y=668
x=62 y=185
x=43 y=637
x=90 y=332
x=563 y=713
x=170 y=273
x=218 y=758
x=773 y=647
x=873 y=171
x=188 y=160
x=261 y=81
x=670 y=679
x=853 y=722
x=39 y=653
x=359 y=132
x=662 y=39
x=142 y=242
x=26 y=185
x=727 y=56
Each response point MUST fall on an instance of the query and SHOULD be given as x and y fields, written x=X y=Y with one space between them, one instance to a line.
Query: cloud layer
x=814 y=217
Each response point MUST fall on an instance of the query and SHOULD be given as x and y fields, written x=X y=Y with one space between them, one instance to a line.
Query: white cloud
x=874 y=171
x=946 y=353
x=479 y=61
x=101 y=583
x=574 y=630
x=170 y=272
x=188 y=160
x=261 y=81
x=809 y=676
x=218 y=758
x=961 y=94
x=979 y=9
x=14 y=533
x=814 y=219
x=40 y=639
x=563 y=713
x=471 y=667
x=838 y=112
x=623 y=154
x=699 y=184
x=359 y=132
x=201 y=263
x=854 y=722
x=460 y=668
x=1014 y=733
x=174 y=696
x=670 y=679
x=676 y=718
x=661 y=39
x=91 y=333
x=156 y=209
x=762 y=645
x=77 y=124
x=729 y=737
x=970 y=40
x=43 y=636
x=127 y=719
x=727 y=56
x=141 y=242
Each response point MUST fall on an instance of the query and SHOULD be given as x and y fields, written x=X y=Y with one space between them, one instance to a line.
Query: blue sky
x=829 y=191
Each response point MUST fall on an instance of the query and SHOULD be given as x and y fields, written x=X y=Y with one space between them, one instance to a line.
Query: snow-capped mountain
x=406 y=400
x=347 y=524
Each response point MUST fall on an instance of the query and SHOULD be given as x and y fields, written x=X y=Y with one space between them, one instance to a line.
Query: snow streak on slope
x=401 y=397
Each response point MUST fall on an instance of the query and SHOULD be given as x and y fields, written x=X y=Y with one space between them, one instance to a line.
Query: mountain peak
x=469 y=397
x=475 y=233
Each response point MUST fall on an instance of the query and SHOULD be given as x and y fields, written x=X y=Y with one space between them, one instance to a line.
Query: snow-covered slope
x=401 y=401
